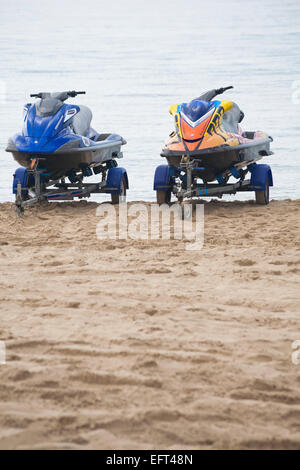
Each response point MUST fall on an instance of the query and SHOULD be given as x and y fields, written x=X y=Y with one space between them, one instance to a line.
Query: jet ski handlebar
x=75 y=93
x=62 y=95
x=209 y=95
x=219 y=91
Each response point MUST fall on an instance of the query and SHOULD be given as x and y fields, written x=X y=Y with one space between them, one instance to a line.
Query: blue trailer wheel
x=163 y=197
x=117 y=184
x=22 y=182
x=116 y=197
x=261 y=180
x=263 y=197
x=163 y=178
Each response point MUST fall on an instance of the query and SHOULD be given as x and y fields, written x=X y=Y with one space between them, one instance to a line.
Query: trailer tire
x=115 y=197
x=163 y=197
x=263 y=197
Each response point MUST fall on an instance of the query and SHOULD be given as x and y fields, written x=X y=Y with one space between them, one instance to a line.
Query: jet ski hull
x=59 y=163
x=215 y=160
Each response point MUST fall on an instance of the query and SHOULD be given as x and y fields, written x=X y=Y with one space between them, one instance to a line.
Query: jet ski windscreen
x=196 y=109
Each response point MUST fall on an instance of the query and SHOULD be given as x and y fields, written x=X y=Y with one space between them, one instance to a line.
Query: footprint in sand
x=245 y=262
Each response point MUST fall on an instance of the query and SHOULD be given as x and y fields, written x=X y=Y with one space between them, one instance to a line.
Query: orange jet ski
x=208 y=145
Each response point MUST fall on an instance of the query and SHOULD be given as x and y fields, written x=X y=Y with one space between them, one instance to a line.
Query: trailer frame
x=180 y=181
x=46 y=189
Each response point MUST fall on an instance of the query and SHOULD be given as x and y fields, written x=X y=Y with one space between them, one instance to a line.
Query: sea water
x=136 y=58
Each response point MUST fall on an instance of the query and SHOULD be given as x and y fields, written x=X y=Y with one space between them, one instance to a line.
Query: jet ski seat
x=232 y=118
x=101 y=137
x=82 y=121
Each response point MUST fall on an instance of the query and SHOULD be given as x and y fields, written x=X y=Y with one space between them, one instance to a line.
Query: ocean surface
x=135 y=59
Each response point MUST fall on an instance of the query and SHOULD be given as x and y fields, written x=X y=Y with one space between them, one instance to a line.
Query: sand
x=144 y=345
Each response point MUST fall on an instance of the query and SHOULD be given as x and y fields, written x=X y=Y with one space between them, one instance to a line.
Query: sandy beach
x=144 y=345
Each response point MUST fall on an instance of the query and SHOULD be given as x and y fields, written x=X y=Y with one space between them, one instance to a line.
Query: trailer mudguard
x=260 y=174
x=114 y=180
x=163 y=178
x=21 y=176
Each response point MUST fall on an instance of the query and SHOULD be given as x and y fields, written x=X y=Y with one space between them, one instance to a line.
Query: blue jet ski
x=58 y=142
x=62 y=135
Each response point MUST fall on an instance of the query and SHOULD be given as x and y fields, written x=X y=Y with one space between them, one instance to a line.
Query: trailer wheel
x=115 y=197
x=263 y=197
x=163 y=197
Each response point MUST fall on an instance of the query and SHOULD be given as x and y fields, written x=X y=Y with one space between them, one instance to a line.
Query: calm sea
x=136 y=58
